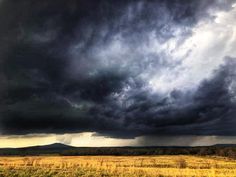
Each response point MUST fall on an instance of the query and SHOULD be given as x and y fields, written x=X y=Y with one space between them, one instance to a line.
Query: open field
x=130 y=166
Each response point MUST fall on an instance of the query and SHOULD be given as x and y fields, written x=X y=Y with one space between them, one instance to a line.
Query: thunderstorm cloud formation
x=118 y=68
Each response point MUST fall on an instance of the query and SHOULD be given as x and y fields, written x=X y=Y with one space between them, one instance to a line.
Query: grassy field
x=130 y=166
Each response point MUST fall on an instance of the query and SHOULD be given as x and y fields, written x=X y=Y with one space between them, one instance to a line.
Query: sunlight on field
x=130 y=166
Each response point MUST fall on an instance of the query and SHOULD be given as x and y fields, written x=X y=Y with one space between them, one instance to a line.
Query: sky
x=117 y=73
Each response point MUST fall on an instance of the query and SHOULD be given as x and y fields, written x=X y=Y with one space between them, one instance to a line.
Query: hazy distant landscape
x=224 y=150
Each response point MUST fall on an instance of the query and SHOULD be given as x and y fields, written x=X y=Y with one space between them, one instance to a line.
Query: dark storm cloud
x=210 y=110
x=63 y=70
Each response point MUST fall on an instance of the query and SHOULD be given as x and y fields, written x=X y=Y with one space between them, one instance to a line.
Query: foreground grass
x=130 y=166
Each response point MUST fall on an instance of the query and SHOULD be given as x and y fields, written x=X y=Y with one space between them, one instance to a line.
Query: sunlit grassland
x=130 y=166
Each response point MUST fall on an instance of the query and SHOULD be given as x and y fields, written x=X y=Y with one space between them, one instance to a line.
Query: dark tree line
x=226 y=151
x=202 y=151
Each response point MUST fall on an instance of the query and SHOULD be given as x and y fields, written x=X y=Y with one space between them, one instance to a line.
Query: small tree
x=181 y=163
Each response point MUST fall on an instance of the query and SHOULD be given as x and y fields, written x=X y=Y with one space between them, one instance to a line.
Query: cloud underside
x=121 y=69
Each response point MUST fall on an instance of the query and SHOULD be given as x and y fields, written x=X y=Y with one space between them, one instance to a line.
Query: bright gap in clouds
x=199 y=55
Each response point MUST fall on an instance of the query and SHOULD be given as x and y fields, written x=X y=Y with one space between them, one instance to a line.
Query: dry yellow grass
x=130 y=166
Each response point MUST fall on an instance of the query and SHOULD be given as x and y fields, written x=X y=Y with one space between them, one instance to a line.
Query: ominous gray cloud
x=118 y=68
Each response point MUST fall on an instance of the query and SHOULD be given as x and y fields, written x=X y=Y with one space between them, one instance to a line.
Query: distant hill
x=54 y=149
x=51 y=146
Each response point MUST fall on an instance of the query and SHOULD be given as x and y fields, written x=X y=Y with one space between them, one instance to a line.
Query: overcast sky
x=138 y=72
